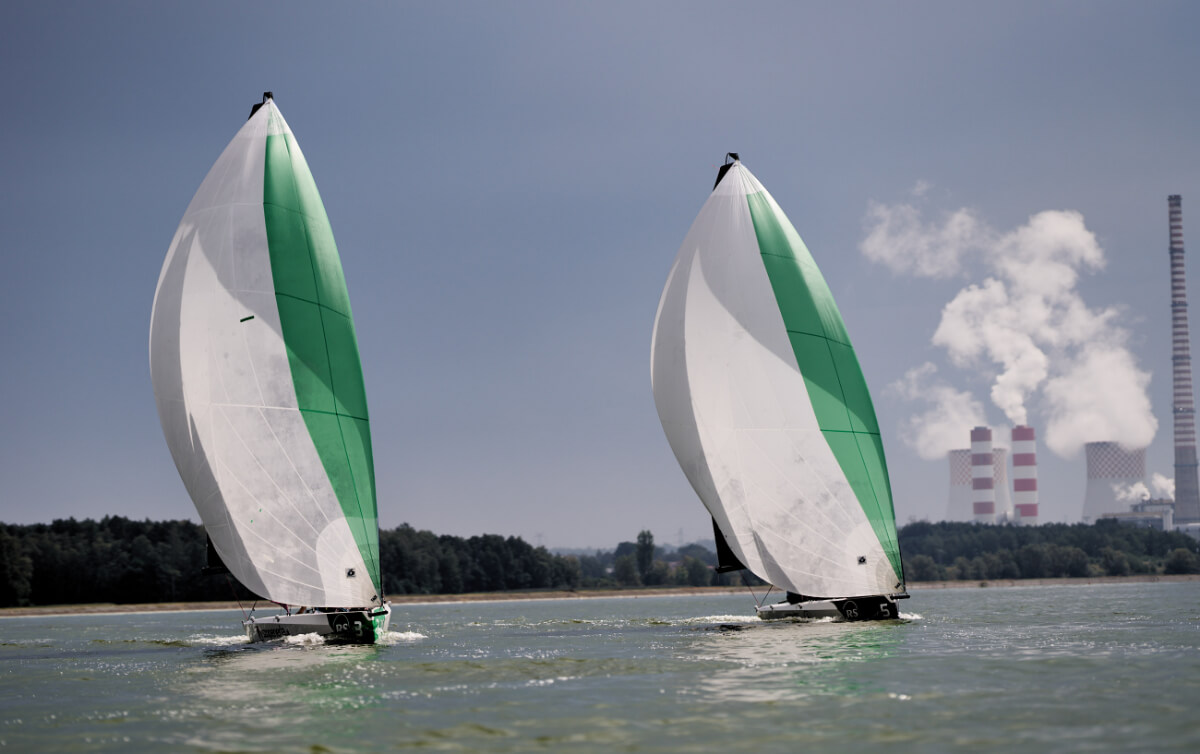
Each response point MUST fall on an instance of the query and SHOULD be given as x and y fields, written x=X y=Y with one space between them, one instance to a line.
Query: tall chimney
x=983 y=485
x=1025 y=489
x=1187 y=487
x=961 y=492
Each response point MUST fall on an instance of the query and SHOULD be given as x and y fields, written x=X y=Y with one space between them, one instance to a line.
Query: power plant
x=1115 y=474
x=979 y=488
x=1187 y=487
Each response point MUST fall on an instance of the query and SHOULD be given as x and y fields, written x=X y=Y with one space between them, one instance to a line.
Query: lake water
x=1113 y=668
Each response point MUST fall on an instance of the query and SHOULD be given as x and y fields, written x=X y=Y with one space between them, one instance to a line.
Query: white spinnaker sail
x=739 y=418
x=228 y=402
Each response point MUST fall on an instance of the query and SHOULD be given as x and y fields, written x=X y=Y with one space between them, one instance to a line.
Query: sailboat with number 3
x=764 y=404
x=259 y=386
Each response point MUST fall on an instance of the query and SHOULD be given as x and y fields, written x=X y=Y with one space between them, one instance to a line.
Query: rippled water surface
x=1064 y=668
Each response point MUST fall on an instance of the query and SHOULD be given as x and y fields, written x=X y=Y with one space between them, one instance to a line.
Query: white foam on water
x=740 y=618
x=212 y=640
x=398 y=637
x=304 y=640
x=911 y=616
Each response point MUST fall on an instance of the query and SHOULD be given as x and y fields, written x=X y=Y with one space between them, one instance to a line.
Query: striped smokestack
x=1111 y=469
x=983 y=485
x=959 y=507
x=1187 y=487
x=1025 y=491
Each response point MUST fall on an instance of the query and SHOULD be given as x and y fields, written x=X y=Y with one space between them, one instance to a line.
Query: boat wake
x=391 y=638
x=723 y=619
x=213 y=640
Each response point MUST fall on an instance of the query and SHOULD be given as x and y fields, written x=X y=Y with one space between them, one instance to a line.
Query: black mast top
x=725 y=168
x=254 y=109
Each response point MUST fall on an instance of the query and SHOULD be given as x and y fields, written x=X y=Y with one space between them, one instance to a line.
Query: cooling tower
x=959 y=508
x=1187 y=486
x=983 y=472
x=1004 y=505
x=1110 y=469
x=1025 y=491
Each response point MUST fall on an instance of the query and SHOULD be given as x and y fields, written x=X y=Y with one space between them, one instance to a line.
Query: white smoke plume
x=949 y=415
x=1025 y=326
x=1131 y=493
x=1164 y=486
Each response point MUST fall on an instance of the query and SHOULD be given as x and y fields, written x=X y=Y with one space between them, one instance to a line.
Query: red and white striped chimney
x=1025 y=490
x=983 y=485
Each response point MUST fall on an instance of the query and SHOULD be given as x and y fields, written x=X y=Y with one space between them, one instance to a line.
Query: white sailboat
x=259 y=386
x=764 y=404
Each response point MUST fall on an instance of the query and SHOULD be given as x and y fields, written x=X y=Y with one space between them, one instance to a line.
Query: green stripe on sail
x=318 y=330
x=829 y=366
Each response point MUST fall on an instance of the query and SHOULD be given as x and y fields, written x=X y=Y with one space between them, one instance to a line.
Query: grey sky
x=508 y=185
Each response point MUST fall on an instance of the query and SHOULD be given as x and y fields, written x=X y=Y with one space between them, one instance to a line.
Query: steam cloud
x=1164 y=486
x=1024 y=326
x=940 y=428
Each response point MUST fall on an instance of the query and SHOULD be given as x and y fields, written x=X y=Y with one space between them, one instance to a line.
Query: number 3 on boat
x=259 y=387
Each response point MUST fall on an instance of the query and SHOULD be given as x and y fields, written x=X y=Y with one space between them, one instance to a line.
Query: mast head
x=266 y=96
x=725 y=168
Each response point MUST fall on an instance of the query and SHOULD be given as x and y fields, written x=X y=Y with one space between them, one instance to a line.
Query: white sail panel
x=737 y=414
x=227 y=401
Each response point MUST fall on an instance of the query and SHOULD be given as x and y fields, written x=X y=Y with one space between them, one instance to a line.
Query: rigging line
x=229 y=580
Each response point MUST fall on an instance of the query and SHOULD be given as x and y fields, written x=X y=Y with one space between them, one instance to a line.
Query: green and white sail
x=256 y=373
x=764 y=404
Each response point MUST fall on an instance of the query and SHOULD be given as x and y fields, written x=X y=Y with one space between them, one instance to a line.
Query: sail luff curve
x=763 y=402
x=258 y=380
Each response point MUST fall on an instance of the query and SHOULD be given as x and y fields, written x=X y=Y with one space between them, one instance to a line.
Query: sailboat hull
x=852 y=609
x=343 y=626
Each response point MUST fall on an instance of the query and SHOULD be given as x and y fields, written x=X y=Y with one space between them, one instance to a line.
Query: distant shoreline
x=623 y=593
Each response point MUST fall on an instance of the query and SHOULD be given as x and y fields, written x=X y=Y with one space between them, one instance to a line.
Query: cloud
x=945 y=423
x=1099 y=394
x=898 y=239
x=1024 y=326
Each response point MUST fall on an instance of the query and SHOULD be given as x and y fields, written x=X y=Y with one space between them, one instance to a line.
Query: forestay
x=764 y=404
x=256 y=373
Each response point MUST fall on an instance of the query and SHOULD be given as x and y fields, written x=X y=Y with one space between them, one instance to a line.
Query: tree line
x=120 y=560
x=954 y=550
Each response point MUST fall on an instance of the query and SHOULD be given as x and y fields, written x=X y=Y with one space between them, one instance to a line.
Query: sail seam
x=377 y=576
x=283 y=494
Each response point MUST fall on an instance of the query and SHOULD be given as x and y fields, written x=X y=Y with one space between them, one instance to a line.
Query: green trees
x=1182 y=560
x=953 y=550
x=114 y=559
x=121 y=561
x=421 y=562
x=645 y=552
